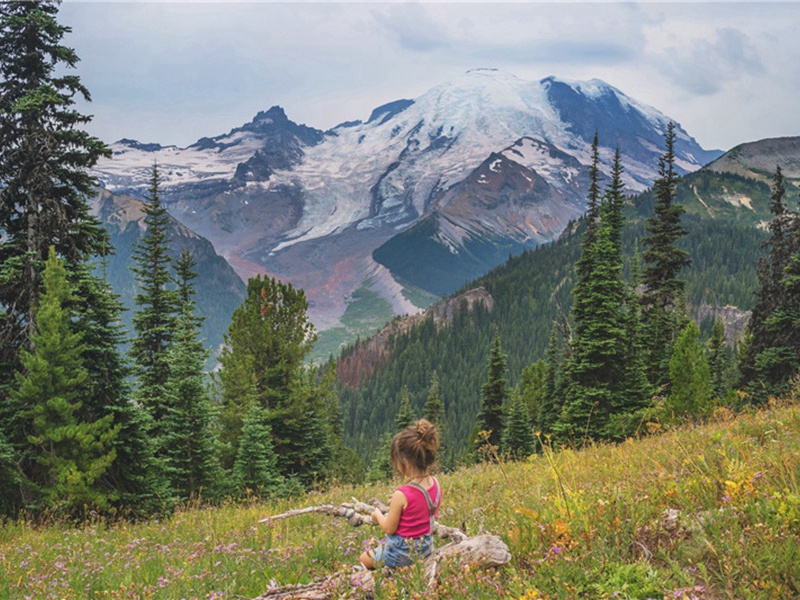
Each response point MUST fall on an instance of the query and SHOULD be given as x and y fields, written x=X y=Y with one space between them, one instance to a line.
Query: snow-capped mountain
x=487 y=159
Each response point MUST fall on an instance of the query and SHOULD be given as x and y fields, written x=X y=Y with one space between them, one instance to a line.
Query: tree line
x=83 y=427
x=622 y=355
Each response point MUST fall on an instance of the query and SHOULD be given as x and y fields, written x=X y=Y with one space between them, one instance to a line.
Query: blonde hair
x=416 y=447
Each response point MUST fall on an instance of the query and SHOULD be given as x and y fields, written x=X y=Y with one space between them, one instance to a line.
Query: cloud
x=411 y=26
x=704 y=66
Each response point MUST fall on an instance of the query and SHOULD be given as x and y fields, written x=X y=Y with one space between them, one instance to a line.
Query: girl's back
x=415 y=520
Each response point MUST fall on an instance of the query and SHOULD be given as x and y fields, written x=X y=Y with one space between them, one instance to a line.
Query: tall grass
x=583 y=523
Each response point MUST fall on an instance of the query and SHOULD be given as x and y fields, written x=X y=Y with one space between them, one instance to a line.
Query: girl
x=414 y=505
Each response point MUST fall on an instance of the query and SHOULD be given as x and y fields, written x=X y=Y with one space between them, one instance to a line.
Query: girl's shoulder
x=399 y=497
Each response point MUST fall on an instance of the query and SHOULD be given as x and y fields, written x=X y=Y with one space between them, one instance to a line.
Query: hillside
x=701 y=512
x=725 y=214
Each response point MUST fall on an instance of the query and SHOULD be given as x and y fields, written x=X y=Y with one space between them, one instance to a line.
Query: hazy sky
x=173 y=72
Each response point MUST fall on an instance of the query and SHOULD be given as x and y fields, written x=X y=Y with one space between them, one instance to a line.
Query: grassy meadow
x=587 y=523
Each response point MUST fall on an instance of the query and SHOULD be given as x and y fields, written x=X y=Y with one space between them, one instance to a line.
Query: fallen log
x=485 y=551
x=360 y=513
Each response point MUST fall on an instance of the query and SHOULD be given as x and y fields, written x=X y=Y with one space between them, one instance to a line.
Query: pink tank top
x=415 y=520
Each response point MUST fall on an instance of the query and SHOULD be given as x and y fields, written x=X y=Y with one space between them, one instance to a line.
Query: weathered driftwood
x=360 y=513
x=485 y=551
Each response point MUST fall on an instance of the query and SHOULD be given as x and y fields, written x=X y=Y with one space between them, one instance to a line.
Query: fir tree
x=518 y=440
x=718 y=360
x=494 y=394
x=532 y=389
x=133 y=475
x=552 y=401
x=634 y=390
x=256 y=466
x=44 y=180
x=585 y=264
x=187 y=443
x=594 y=371
x=70 y=454
x=772 y=356
x=405 y=415
x=262 y=362
x=690 y=387
x=433 y=411
x=663 y=299
x=157 y=306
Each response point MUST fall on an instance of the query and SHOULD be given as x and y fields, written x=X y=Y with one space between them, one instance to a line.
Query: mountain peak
x=275 y=114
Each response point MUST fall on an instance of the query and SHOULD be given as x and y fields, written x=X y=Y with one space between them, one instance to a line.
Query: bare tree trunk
x=486 y=551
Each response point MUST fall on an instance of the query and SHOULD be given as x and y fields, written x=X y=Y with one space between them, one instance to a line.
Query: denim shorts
x=396 y=551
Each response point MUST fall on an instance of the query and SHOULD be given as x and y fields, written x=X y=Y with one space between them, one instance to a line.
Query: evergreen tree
x=634 y=391
x=133 y=475
x=262 y=362
x=301 y=432
x=70 y=454
x=518 y=440
x=585 y=264
x=772 y=355
x=494 y=394
x=405 y=415
x=718 y=360
x=594 y=371
x=157 y=306
x=44 y=180
x=256 y=466
x=433 y=411
x=532 y=389
x=552 y=401
x=187 y=444
x=663 y=301
x=690 y=387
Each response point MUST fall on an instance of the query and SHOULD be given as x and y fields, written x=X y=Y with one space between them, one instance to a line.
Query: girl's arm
x=390 y=522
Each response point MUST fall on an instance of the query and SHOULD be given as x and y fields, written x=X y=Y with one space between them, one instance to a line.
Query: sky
x=173 y=72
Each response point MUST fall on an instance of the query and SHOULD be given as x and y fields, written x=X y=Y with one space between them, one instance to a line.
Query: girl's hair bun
x=428 y=435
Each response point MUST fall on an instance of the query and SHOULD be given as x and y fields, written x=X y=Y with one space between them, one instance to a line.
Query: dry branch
x=484 y=550
x=360 y=513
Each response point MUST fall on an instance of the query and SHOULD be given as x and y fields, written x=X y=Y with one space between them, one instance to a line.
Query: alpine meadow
x=209 y=354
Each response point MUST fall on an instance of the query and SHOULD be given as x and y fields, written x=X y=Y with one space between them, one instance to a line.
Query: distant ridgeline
x=725 y=217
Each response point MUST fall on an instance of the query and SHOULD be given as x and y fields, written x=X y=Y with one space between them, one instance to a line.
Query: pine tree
x=585 y=264
x=772 y=356
x=70 y=454
x=405 y=415
x=690 y=378
x=44 y=178
x=133 y=475
x=433 y=411
x=256 y=467
x=518 y=440
x=532 y=389
x=262 y=362
x=494 y=394
x=552 y=401
x=718 y=360
x=634 y=390
x=157 y=306
x=187 y=443
x=594 y=371
x=663 y=300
